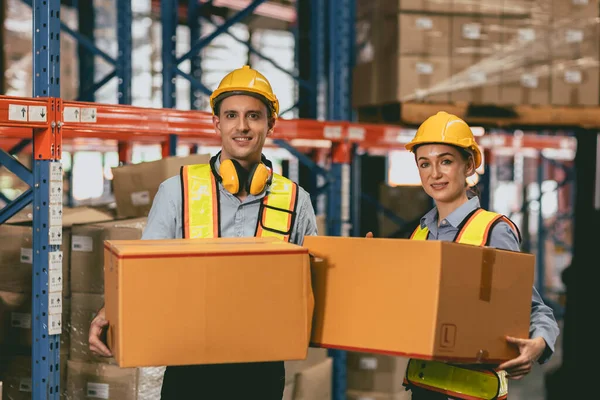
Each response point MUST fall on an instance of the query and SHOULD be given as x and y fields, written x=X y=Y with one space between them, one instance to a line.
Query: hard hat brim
x=477 y=156
x=221 y=94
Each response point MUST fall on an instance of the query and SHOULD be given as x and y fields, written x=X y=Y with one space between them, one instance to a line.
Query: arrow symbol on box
x=42 y=114
x=93 y=115
x=23 y=110
x=76 y=114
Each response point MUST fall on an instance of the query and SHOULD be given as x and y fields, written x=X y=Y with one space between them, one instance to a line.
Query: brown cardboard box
x=87 y=251
x=376 y=372
x=574 y=9
x=574 y=39
x=525 y=42
x=358 y=395
x=103 y=381
x=364 y=85
x=314 y=383
x=84 y=308
x=136 y=185
x=322 y=225
x=474 y=40
x=422 y=34
x=15 y=322
x=16 y=248
x=214 y=288
x=525 y=86
x=411 y=78
x=423 y=299
x=313 y=357
x=15 y=372
x=420 y=5
x=575 y=85
x=407 y=202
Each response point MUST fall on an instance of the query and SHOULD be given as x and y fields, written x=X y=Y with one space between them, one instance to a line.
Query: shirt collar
x=455 y=218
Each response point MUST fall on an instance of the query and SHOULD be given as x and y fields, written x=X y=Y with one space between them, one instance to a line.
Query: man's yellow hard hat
x=446 y=128
x=245 y=80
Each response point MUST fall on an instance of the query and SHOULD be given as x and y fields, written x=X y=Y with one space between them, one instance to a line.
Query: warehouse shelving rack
x=47 y=120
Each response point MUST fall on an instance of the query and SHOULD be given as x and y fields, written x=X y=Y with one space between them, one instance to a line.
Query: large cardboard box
x=16 y=248
x=414 y=78
x=423 y=299
x=314 y=383
x=244 y=300
x=136 y=185
x=15 y=372
x=474 y=41
x=421 y=34
x=87 y=251
x=15 y=323
x=103 y=381
x=376 y=372
x=574 y=9
x=525 y=85
x=575 y=84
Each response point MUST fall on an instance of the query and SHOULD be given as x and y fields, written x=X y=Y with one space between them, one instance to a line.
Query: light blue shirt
x=543 y=324
x=238 y=218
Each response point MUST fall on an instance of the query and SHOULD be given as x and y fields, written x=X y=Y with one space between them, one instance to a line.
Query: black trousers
x=264 y=381
x=422 y=394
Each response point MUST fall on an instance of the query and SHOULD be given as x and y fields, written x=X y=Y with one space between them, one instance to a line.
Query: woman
x=446 y=154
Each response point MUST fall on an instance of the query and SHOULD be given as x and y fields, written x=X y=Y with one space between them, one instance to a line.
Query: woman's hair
x=465 y=154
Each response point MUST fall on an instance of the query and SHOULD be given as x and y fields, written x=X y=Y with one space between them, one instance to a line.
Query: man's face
x=243 y=124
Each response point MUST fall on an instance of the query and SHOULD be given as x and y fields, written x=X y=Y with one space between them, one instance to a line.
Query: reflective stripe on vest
x=475 y=230
x=201 y=205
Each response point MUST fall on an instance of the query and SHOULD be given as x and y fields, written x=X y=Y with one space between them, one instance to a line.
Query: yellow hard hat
x=446 y=128
x=246 y=80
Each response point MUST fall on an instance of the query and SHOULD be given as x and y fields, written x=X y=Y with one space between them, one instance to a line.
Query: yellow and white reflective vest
x=462 y=382
x=475 y=229
x=201 y=205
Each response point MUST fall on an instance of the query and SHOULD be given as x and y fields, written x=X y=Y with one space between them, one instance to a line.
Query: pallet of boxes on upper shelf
x=500 y=53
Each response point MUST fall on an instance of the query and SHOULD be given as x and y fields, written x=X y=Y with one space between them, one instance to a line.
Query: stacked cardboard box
x=310 y=378
x=375 y=376
x=482 y=52
x=89 y=375
x=136 y=185
x=16 y=258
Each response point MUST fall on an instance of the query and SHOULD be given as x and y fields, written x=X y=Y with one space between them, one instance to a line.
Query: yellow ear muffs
x=229 y=176
x=258 y=178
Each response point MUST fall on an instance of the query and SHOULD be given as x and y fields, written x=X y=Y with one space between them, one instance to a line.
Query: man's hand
x=369 y=235
x=530 y=350
x=97 y=330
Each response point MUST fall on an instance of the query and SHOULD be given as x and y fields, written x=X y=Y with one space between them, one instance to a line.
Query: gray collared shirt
x=543 y=324
x=238 y=218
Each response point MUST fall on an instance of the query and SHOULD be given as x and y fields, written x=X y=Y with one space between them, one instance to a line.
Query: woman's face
x=443 y=171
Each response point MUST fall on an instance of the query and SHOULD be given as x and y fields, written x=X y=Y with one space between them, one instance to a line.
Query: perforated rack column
x=47 y=205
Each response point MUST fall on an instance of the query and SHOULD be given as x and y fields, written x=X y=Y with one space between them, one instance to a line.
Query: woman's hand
x=530 y=350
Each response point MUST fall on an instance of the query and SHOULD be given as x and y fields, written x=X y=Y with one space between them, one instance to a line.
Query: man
x=236 y=195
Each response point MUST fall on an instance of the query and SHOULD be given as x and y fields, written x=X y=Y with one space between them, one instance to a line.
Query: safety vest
x=457 y=381
x=201 y=216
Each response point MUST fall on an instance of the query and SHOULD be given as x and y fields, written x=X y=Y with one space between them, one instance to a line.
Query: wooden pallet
x=520 y=116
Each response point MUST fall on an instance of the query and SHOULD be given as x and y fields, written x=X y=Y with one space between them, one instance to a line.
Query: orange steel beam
x=154 y=125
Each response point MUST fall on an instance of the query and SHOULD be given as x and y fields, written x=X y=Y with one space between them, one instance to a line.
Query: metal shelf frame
x=331 y=61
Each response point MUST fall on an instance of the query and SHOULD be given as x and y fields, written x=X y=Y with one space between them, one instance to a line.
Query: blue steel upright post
x=124 y=39
x=47 y=210
x=168 y=17
x=341 y=51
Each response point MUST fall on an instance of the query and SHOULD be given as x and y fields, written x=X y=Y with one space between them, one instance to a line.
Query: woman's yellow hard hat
x=446 y=128
x=245 y=80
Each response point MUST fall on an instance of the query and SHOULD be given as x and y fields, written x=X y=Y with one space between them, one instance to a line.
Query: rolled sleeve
x=542 y=322
x=306 y=221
